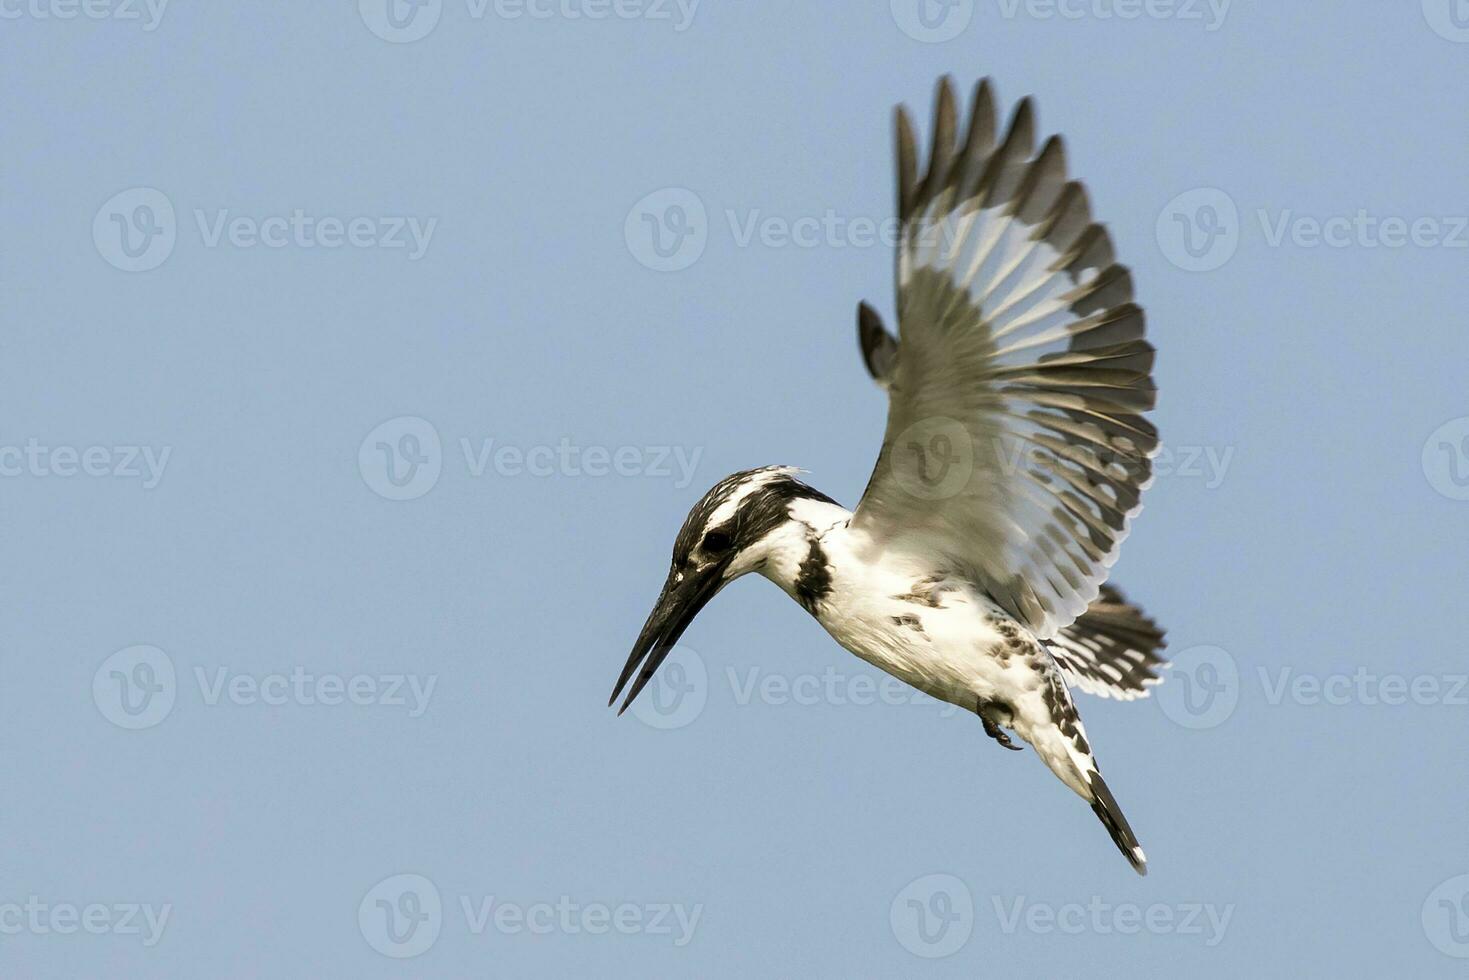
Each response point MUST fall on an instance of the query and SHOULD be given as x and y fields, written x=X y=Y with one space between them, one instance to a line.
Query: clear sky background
x=319 y=645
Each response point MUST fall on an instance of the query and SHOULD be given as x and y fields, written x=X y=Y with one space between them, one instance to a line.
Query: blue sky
x=360 y=364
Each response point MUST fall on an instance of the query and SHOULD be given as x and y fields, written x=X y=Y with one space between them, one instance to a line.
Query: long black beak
x=678 y=604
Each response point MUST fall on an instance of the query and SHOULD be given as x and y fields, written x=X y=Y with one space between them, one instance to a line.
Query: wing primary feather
x=941 y=152
x=979 y=140
x=907 y=159
x=879 y=348
x=1000 y=178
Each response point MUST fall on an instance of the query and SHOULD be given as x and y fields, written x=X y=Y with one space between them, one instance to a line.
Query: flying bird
x=975 y=565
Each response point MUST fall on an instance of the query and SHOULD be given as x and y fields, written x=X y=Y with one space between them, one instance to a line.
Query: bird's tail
x=1062 y=745
x=1107 y=810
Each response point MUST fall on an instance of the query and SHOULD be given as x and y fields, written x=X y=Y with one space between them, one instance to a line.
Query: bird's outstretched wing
x=1111 y=650
x=1016 y=445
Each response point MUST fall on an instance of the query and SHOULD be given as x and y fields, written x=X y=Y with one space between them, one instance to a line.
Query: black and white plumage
x=1015 y=456
x=1111 y=650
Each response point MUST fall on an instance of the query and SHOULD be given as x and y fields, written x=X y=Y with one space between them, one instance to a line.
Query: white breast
x=925 y=626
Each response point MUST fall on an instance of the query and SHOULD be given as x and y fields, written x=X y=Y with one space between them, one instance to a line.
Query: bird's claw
x=1004 y=740
x=994 y=731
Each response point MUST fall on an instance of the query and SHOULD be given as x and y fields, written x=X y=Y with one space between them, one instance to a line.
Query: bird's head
x=740 y=526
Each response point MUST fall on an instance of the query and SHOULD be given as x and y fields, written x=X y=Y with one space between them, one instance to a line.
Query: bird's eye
x=716 y=542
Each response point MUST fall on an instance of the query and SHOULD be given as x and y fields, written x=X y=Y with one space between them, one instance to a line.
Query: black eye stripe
x=717 y=540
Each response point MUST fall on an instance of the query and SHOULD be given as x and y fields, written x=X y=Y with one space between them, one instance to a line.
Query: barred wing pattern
x=1111 y=650
x=1016 y=445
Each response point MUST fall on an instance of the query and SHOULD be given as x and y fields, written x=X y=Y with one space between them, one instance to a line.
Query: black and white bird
x=974 y=567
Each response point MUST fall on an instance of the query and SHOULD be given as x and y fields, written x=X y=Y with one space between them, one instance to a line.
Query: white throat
x=797 y=555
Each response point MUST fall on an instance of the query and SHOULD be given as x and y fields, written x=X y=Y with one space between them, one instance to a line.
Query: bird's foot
x=992 y=728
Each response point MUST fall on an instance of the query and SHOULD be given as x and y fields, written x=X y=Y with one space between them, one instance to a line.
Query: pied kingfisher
x=1016 y=451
